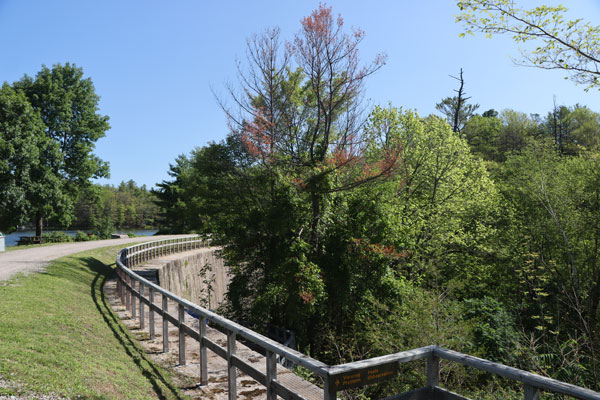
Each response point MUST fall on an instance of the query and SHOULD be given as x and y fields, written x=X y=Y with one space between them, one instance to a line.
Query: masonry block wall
x=199 y=276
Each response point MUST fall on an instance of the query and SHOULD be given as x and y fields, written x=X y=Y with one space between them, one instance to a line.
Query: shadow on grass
x=150 y=372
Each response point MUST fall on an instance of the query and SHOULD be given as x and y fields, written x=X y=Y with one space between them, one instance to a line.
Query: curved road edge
x=37 y=258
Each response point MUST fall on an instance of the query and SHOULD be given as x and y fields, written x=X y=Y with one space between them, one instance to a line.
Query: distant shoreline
x=11 y=239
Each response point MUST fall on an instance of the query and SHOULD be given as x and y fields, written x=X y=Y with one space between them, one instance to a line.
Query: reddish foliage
x=320 y=21
x=307 y=297
x=299 y=183
x=257 y=136
x=376 y=248
x=328 y=137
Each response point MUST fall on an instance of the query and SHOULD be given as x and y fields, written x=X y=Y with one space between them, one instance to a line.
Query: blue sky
x=154 y=63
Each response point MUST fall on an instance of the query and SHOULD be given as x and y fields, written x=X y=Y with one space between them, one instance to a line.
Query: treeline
x=105 y=207
x=403 y=231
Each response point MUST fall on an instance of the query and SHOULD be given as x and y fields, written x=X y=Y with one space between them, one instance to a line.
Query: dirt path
x=37 y=258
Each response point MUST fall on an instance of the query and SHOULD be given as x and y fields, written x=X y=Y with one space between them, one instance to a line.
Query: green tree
x=409 y=247
x=28 y=184
x=275 y=191
x=574 y=129
x=482 y=133
x=68 y=106
x=586 y=127
x=441 y=213
x=517 y=127
x=174 y=197
x=560 y=43
x=553 y=240
x=126 y=206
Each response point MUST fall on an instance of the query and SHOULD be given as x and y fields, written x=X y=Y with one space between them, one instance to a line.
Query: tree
x=127 y=206
x=179 y=200
x=586 y=127
x=569 y=45
x=27 y=157
x=276 y=190
x=516 y=128
x=554 y=242
x=491 y=113
x=68 y=106
x=455 y=109
x=482 y=133
x=574 y=129
x=307 y=120
x=440 y=215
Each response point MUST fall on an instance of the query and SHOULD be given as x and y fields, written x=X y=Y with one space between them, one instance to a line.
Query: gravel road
x=37 y=258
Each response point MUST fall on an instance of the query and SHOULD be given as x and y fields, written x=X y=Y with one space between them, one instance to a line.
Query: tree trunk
x=39 y=224
x=459 y=102
x=316 y=217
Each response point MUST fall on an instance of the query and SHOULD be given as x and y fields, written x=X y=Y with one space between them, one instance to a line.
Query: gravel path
x=37 y=258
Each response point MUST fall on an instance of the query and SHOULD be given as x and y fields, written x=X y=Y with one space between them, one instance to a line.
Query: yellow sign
x=364 y=376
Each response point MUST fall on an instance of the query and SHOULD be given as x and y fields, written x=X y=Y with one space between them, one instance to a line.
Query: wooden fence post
x=121 y=286
x=181 y=310
x=531 y=393
x=231 y=369
x=151 y=312
x=127 y=292
x=433 y=371
x=271 y=374
x=329 y=392
x=142 y=316
x=165 y=324
x=203 y=354
x=133 y=304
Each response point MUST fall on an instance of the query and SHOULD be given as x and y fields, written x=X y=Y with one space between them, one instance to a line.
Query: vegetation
x=48 y=128
x=58 y=326
x=372 y=235
x=569 y=45
x=127 y=206
x=364 y=231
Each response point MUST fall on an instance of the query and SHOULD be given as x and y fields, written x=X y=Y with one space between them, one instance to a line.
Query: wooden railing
x=132 y=287
x=136 y=293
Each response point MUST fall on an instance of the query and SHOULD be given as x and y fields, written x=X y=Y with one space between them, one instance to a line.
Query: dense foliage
x=127 y=206
x=48 y=129
x=371 y=236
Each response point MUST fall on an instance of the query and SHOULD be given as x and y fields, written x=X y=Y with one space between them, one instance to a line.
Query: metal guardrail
x=132 y=287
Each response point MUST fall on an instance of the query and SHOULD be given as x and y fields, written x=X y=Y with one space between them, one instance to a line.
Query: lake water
x=11 y=239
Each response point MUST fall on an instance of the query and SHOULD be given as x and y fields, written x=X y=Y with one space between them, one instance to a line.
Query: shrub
x=104 y=228
x=57 y=237
x=81 y=236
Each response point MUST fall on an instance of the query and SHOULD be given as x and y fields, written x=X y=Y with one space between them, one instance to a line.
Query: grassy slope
x=30 y=246
x=58 y=335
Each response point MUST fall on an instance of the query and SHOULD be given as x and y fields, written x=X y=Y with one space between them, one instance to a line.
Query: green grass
x=59 y=335
x=30 y=246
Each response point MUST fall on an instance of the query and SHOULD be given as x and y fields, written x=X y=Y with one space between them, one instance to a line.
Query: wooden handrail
x=126 y=289
x=528 y=378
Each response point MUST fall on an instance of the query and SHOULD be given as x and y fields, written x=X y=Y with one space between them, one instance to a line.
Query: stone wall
x=194 y=274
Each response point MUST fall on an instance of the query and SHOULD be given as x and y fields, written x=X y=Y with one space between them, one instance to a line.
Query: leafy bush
x=104 y=228
x=57 y=237
x=495 y=333
x=81 y=236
